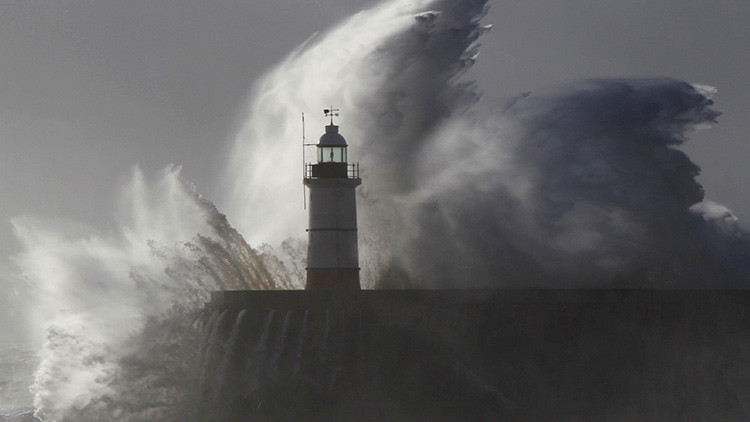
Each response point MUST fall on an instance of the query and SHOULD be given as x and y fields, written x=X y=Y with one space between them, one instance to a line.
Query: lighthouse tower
x=332 y=255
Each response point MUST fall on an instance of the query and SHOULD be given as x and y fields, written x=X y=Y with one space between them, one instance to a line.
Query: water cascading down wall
x=476 y=355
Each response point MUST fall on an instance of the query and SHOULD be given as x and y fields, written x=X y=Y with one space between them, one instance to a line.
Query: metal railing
x=352 y=170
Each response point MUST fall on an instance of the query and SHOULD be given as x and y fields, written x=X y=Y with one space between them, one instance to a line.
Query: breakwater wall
x=476 y=355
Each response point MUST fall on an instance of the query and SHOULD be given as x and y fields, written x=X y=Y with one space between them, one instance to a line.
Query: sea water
x=17 y=364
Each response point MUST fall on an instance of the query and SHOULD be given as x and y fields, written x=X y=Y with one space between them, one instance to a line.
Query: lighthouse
x=332 y=254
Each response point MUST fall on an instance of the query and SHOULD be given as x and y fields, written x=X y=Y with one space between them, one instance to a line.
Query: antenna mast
x=304 y=166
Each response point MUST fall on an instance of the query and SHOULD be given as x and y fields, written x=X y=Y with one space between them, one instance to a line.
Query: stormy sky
x=90 y=89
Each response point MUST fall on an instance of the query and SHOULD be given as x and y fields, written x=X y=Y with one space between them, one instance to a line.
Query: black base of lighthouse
x=335 y=278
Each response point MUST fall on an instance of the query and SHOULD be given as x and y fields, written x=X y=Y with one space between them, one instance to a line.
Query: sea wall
x=476 y=355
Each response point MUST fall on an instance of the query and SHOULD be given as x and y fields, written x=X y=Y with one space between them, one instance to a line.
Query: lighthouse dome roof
x=332 y=138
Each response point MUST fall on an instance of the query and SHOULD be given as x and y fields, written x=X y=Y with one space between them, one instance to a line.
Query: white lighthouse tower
x=332 y=254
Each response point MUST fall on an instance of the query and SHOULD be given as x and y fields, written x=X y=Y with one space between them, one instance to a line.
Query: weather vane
x=331 y=112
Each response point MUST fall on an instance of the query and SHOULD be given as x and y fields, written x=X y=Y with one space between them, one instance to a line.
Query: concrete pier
x=489 y=354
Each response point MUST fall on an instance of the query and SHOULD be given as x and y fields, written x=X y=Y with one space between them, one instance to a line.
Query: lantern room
x=332 y=157
x=332 y=146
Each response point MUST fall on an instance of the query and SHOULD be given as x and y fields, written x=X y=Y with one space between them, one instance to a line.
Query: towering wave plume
x=582 y=187
x=393 y=70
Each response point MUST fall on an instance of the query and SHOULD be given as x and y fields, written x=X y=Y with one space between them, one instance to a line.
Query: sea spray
x=393 y=71
x=98 y=296
x=583 y=186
